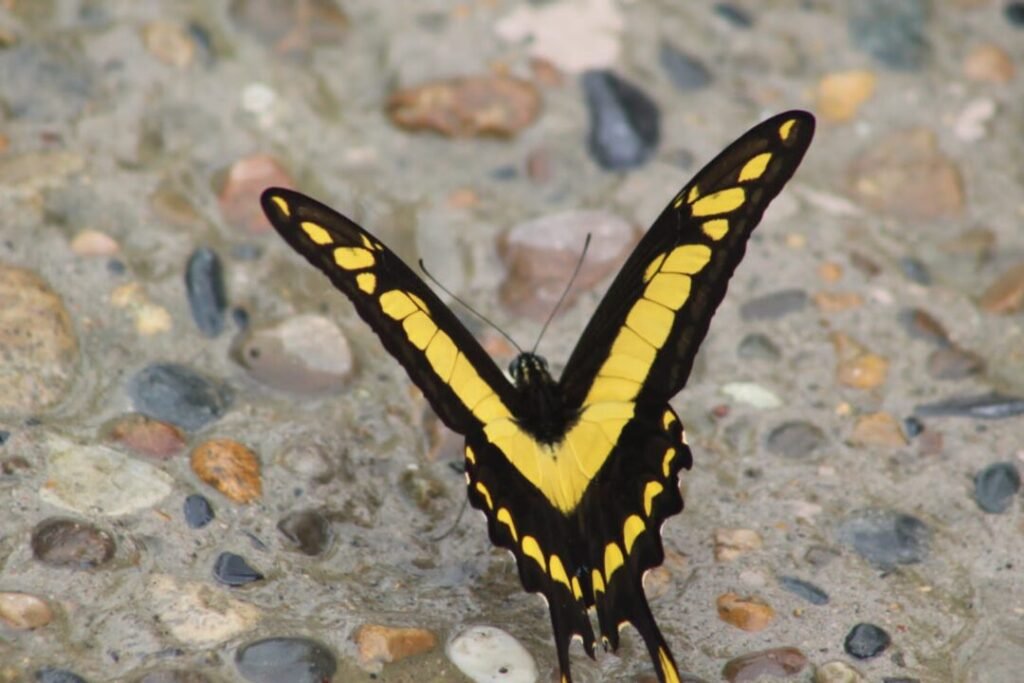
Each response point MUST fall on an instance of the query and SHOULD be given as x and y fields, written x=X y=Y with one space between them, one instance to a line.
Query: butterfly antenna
x=455 y=524
x=565 y=293
x=469 y=308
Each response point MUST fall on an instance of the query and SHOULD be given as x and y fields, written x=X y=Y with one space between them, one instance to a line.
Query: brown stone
x=749 y=614
x=878 y=429
x=857 y=367
x=245 y=182
x=146 y=436
x=834 y=302
x=841 y=94
x=989 y=63
x=94 y=243
x=731 y=543
x=169 y=42
x=229 y=467
x=498 y=106
x=383 y=644
x=830 y=272
x=24 y=611
x=1006 y=294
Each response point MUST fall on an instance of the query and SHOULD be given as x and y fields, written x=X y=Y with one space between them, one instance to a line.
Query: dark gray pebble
x=758 y=347
x=952 y=362
x=737 y=16
x=915 y=270
x=993 y=406
x=179 y=395
x=173 y=676
x=234 y=570
x=901 y=679
x=685 y=71
x=795 y=439
x=891 y=31
x=198 y=511
x=912 y=427
x=624 y=121
x=1014 y=13
x=204 y=285
x=307 y=530
x=61 y=542
x=774 y=305
x=885 y=538
x=51 y=675
x=920 y=324
x=805 y=589
x=865 y=641
x=995 y=486
x=297 y=660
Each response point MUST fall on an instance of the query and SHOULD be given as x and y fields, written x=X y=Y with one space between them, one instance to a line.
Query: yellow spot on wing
x=396 y=304
x=668 y=418
x=367 y=282
x=441 y=354
x=491 y=409
x=754 y=169
x=485 y=493
x=420 y=329
x=282 y=205
x=612 y=389
x=668 y=289
x=625 y=367
x=667 y=460
x=719 y=202
x=715 y=228
x=368 y=244
x=653 y=267
x=316 y=233
x=470 y=455
x=667 y=667
x=532 y=549
x=651 y=321
x=694 y=195
x=786 y=128
x=632 y=528
x=612 y=559
x=505 y=517
x=353 y=258
x=466 y=383
x=651 y=490
x=688 y=260
x=577 y=591
x=597 y=581
x=557 y=571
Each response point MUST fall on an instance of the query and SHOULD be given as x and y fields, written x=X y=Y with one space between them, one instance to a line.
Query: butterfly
x=575 y=476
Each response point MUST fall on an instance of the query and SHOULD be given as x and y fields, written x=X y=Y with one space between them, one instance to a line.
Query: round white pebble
x=489 y=655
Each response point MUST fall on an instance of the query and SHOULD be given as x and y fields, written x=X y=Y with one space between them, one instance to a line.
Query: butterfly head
x=529 y=370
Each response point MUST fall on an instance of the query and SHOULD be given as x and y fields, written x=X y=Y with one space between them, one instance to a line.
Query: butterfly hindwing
x=457 y=376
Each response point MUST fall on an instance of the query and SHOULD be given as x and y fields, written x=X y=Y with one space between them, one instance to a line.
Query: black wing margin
x=442 y=358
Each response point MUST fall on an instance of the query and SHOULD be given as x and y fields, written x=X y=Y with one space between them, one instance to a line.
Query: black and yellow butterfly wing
x=575 y=478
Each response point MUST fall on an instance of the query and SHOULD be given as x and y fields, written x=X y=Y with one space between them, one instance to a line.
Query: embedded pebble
x=954 y=363
x=574 y=35
x=291 y=29
x=61 y=542
x=685 y=71
x=971 y=123
x=174 y=676
x=378 y=645
x=169 y=42
x=624 y=121
x=540 y=255
x=885 y=538
x=296 y=660
x=781 y=662
x=1005 y=296
x=915 y=270
x=307 y=530
x=746 y=613
x=841 y=94
x=796 y=439
x=835 y=302
x=804 y=589
x=94 y=243
x=865 y=641
x=920 y=324
x=198 y=511
x=234 y=570
x=178 y=394
x=92 y=479
x=1014 y=13
x=857 y=367
x=820 y=556
x=52 y=675
x=995 y=486
x=752 y=394
x=912 y=426
x=732 y=543
x=145 y=436
x=196 y=613
x=904 y=173
x=892 y=31
x=758 y=347
x=489 y=655
x=491 y=105
x=204 y=286
x=37 y=343
x=734 y=14
x=306 y=354
x=878 y=429
x=991 y=406
x=24 y=611
x=775 y=305
x=239 y=199
x=229 y=467
x=838 y=672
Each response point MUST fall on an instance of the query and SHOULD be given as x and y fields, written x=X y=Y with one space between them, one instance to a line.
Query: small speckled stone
x=988 y=63
x=775 y=305
x=758 y=347
x=204 y=286
x=952 y=362
x=865 y=641
x=306 y=354
x=841 y=94
x=878 y=429
x=488 y=105
x=198 y=614
x=240 y=197
x=575 y=36
x=685 y=71
x=992 y=406
x=885 y=538
x=732 y=543
x=378 y=645
x=296 y=660
x=804 y=589
x=752 y=394
x=838 y=672
x=61 y=542
x=307 y=530
x=920 y=324
x=174 y=676
x=52 y=675
x=1006 y=295
x=624 y=121
x=486 y=654
x=24 y=611
x=749 y=614
x=145 y=436
x=734 y=14
x=198 y=511
x=857 y=367
x=796 y=439
x=179 y=395
x=234 y=570
x=995 y=486
x=780 y=662
x=915 y=270
x=229 y=467
x=169 y=42
x=836 y=302
x=94 y=243
x=892 y=31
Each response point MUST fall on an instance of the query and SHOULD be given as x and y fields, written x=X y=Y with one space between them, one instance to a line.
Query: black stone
x=885 y=538
x=685 y=71
x=307 y=530
x=61 y=542
x=1014 y=13
x=296 y=660
x=995 y=486
x=204 y=285
x=179 y=395
x=805 y=589
x=865 y=641
x=774 y=305
x=912 y=427
x=993 y=406
x=624 y=121
x=891 y=31
x=52 y=675
x=198 y=511
x=234 y=570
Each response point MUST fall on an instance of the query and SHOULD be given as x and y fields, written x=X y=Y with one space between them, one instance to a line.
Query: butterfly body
x=575 y=476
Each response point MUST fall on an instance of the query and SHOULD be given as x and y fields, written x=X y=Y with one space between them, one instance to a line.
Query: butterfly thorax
x=542 y=412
